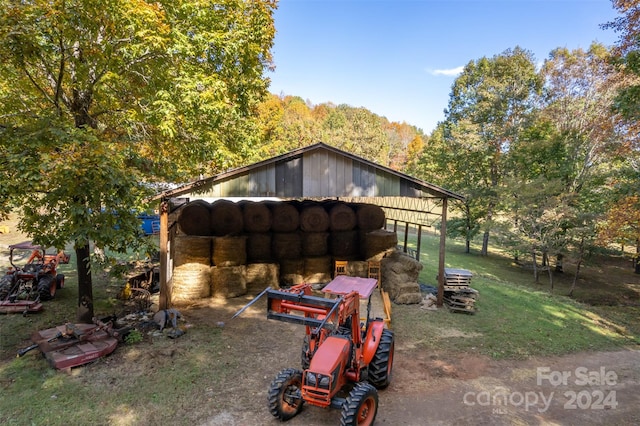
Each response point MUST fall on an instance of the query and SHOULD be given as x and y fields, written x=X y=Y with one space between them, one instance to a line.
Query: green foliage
x=100 y=98
x=288 y=123
x=134 y=336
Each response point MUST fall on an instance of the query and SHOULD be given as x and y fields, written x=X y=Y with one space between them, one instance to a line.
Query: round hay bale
x=191 y=249
x=228 y=281
x=259 y=248
x=317 y=269
x=374 y=244
x=190 y=282
x=226 y=218
x=342 y=217
x=284 y=217
x=315 y=243
x=262 y=275
x=370 y=216
x=229 y=251
x=314 y=218
x=286 y=245
x=195 y=218
x=291 y=272
x=256 y=216
x=344 y=244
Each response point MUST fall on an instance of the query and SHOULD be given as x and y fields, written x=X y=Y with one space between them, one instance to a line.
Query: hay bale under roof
x=195 y=218
x=259 y=247
x=228 y=281
x=256 y=216
x=191 y=249
x=341 y=217
x=317 y=269
x=284 y=217
x=370 y=216
x=190 y=282
x=344 y=245
x=262 y=275
x=226 y=218
x=291 y=272
x=229 y=251
x=315 y=243
x=375 y=244
x=286 y=245
x=314 y=218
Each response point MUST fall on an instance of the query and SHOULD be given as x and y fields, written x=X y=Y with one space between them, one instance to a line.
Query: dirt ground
x=433 y=389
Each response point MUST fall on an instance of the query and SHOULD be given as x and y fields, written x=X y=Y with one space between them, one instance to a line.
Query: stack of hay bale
x=458 y=294
x=271 y=243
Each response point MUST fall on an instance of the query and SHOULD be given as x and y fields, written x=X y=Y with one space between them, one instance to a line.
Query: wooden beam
x=443 y=238
x=165 y=291
x=406 y=235
x=418 y=243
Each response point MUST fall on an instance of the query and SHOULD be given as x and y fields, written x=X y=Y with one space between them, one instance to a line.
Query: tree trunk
x=636 y=258
x=575 y=278
x=559 y=267
x=550 y=278
x=85 y=285
x=535 y=265
x=468 y=242
x=485 y=243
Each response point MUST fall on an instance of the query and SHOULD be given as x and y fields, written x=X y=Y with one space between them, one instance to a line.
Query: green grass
x=518 y=318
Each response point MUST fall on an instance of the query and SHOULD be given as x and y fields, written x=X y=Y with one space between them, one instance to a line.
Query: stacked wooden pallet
x=458 y=294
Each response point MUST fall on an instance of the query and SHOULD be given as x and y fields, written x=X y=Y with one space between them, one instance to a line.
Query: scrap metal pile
x=458 y=294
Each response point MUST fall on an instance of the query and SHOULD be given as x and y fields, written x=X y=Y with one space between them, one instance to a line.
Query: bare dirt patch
x=427 y=388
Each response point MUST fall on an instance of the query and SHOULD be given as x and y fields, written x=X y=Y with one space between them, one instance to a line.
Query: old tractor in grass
x=344 y=361
x=22 y=288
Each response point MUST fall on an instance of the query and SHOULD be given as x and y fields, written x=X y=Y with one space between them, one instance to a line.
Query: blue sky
x=398 y=58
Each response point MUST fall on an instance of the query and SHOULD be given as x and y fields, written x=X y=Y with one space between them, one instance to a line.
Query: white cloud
x=448 y=72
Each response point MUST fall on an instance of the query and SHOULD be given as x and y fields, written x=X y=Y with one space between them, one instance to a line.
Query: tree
x=622 y=225
x=490 y=102
x=627 y=55
x=101 y=98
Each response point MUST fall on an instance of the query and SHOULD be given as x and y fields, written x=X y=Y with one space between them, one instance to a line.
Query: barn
x=323 y=183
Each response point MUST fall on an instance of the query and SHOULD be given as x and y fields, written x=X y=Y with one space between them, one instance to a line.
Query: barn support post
x=443 y=237
x=406 y=235
x=418 y=243
x=165 y=294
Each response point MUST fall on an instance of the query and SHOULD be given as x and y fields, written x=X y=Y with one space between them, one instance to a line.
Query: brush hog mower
x=344 y=361
x=72 y=345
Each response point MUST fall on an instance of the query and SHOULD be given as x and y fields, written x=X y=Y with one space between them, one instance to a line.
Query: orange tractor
x=344 y=361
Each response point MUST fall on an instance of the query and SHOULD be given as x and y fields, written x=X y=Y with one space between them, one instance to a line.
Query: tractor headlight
x=318 y=380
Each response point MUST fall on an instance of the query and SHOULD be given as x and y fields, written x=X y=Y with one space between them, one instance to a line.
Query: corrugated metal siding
x=364 y=179
x=289 y=177
x=326 y=175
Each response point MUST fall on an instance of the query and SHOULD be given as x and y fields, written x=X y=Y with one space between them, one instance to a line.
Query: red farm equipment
x=344 y=360
x=23 y=288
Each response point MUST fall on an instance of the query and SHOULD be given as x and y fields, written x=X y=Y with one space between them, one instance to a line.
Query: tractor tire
x=59 y=281
x=360 y=407
x=285 y=399
x=382 y=362
x=7 y=283
x=304 y=356
x=47 y=287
